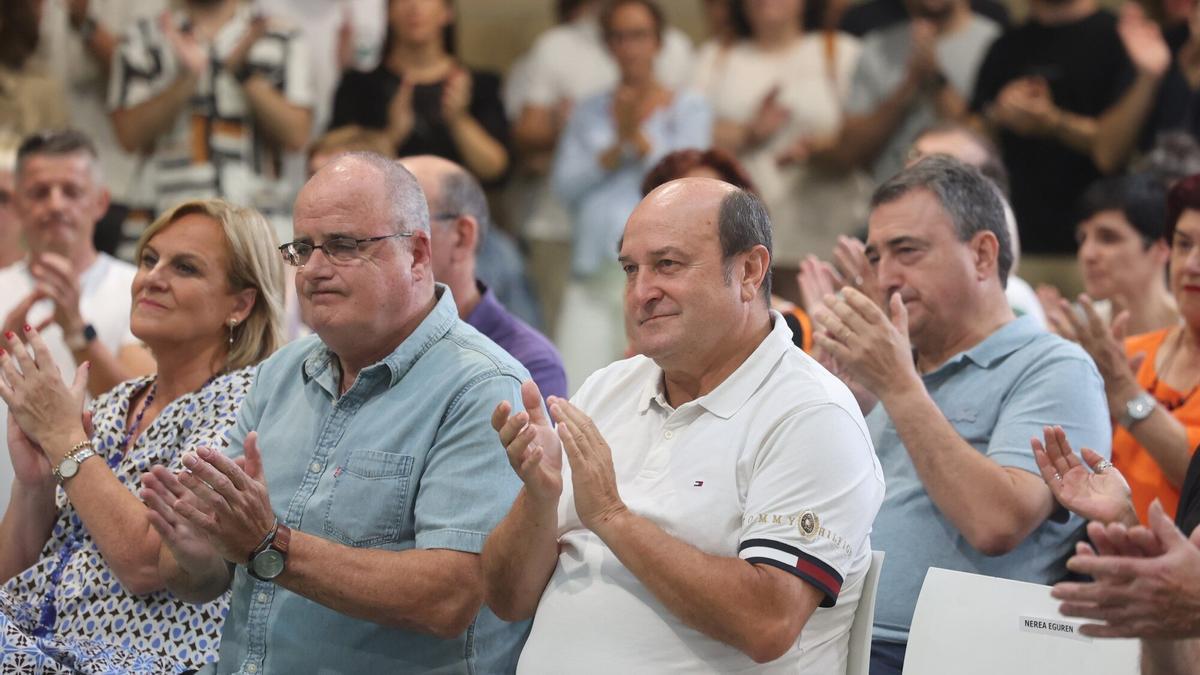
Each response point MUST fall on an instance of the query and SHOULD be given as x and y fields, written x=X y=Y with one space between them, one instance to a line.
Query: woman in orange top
x=1153 y=380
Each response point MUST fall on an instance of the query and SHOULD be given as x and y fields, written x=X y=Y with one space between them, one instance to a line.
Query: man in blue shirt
x=350 y=530
x=459 y=220
x=962 y=385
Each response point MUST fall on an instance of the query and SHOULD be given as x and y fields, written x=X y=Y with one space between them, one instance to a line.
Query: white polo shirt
x=774 y=466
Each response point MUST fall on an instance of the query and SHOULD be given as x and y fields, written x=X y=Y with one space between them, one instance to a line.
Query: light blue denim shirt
x=997 y=395
x=600 y=200
x=407 y=458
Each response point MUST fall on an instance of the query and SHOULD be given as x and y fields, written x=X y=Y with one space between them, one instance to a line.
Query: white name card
x=1056 y=627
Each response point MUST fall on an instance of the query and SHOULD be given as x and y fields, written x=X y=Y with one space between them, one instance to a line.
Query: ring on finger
x=1102 y=465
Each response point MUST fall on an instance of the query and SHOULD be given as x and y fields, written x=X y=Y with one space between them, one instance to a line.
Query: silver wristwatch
x=69 y=466
x=1137 y=409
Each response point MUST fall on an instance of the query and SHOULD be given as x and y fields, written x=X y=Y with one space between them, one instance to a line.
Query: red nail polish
x=28 y=328
x=10 y=335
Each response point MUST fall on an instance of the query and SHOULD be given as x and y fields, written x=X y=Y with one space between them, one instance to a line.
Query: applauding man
x=962 y=386
x=701 y=504
x=356 y=530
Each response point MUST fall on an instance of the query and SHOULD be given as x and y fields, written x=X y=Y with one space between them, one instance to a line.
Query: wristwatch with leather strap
x=270 y=558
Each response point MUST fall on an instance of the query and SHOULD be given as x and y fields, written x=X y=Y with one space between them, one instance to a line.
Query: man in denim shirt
x=351 y=528
x=962 y=385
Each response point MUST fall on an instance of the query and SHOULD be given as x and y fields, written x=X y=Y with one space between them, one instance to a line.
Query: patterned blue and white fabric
x=68 y=613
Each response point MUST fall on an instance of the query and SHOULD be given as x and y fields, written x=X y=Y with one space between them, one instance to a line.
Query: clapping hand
x=456 y=95
x=534 y=450
x=47 y=410
x=187 y=48
x=1097 y=491
x=872 y=348
x=593 y=478
x=1145 y=580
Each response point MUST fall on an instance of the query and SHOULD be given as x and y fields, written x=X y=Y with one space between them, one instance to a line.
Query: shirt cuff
x=455 y=540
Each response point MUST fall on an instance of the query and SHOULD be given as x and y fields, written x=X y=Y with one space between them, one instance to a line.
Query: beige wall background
x=493 y=33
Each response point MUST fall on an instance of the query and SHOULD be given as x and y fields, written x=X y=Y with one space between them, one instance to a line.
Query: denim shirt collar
x=994 y=348
x=322 y=365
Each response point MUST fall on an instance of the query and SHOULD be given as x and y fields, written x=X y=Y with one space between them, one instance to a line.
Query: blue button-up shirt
x=405 y=459
x=997 y=395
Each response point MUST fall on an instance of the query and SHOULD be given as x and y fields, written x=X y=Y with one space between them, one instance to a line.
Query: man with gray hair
x=351 y=528
x=714 y=507
x=459 y=218
x=962 y=385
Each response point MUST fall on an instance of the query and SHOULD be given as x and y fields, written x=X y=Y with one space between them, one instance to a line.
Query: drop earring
x=232 y=325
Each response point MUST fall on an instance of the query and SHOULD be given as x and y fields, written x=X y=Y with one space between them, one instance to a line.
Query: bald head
x=739 y=217
x=372 y=183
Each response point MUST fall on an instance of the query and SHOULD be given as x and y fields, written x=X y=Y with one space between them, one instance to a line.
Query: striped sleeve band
x=791 y=559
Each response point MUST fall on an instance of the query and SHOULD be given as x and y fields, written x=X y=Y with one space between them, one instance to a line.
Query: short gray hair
x=406 y=199
x=463 y=195
x=742 y=224
x=971 y=200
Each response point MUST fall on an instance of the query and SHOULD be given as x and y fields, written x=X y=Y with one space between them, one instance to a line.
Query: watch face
x=1141 y=407
x=68 y=468
x=268 y=564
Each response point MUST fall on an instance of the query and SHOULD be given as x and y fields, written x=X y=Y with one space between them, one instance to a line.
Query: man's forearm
x=1075 y=131
x=519 y=558
x=1119 y=127
x=727 y=599
x=432 y=591
x=137 y=127
x=1171 y=657
x=982 y=499
x=285 y=123
x=863 y=136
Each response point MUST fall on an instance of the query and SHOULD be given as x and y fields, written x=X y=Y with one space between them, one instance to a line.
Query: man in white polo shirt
x=718 y=489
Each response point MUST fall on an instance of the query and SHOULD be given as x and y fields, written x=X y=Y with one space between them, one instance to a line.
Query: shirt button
x=262 y=597
x=315 y=467
x=251 y=668
x=669 y=435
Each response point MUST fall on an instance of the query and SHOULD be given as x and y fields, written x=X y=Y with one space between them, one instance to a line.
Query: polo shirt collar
x=1004 y=341
x=728 y=397
x=432 y=328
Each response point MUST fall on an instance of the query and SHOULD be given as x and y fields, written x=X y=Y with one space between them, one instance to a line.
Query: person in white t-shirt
x=714 y=509
x=778 y=94
x=77 y=298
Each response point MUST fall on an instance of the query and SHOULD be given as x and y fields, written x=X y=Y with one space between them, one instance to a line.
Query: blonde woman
x=78 y=556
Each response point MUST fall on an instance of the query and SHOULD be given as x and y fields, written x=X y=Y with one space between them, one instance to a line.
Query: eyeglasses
x=338 y=249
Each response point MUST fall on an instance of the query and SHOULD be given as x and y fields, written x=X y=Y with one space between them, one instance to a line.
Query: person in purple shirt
x=459 y=217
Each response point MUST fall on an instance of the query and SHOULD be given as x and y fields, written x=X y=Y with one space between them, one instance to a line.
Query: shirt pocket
x=367 y=502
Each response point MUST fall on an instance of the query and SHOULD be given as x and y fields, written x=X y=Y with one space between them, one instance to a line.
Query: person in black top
x=1067 y=93
x=424 y=99
x=1145 y=580
x=872 y=15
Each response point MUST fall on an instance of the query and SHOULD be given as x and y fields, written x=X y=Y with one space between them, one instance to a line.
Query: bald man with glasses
x=351 y=528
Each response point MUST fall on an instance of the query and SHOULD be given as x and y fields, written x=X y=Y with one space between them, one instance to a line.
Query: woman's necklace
x=1166 y=366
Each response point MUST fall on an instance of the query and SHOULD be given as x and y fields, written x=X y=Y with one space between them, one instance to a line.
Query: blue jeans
x=887 y=658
